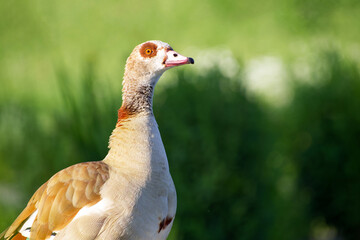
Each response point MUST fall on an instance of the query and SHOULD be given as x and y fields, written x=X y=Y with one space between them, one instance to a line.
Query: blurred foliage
x=326 y=138
x=218 y=144
x=241 y=170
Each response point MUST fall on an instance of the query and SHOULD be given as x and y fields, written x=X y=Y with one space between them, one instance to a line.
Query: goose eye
x=148 y=51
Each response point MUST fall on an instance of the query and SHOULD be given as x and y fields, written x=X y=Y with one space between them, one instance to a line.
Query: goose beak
x=175 y=59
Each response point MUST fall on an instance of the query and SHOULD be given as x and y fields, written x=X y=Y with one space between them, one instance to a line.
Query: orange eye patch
x=148 y=50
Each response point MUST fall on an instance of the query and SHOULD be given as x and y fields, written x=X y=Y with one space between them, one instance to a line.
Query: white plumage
x=128 y=195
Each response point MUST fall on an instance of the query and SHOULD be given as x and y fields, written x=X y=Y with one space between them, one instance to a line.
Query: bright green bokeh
x=262 y=133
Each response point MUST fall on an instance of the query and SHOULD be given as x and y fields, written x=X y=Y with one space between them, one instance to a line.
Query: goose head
x=149 y=60
x=145 y=65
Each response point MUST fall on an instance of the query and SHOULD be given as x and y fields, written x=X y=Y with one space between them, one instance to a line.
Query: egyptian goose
x=128 y=195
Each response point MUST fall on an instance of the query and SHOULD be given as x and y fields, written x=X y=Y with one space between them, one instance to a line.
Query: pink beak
x=174 y=59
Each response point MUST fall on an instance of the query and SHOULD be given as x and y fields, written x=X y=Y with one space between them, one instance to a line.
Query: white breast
x=140 y=180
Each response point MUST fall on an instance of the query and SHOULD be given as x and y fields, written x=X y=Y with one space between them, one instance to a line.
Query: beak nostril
x=175 y=55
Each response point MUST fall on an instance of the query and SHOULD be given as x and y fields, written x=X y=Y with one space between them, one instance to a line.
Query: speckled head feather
x=146 y=59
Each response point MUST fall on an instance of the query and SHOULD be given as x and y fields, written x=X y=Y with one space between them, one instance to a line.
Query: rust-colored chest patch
x=148 y=50
x=122 y=114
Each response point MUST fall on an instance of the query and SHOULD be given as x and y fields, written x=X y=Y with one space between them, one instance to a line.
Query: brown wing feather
x=60 y=199
x=18 y=237
x=25 y=214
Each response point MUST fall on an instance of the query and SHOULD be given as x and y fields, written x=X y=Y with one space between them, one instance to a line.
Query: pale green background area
x=37 y=36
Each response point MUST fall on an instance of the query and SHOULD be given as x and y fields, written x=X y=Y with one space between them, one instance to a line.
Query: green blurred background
x=262 y=133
